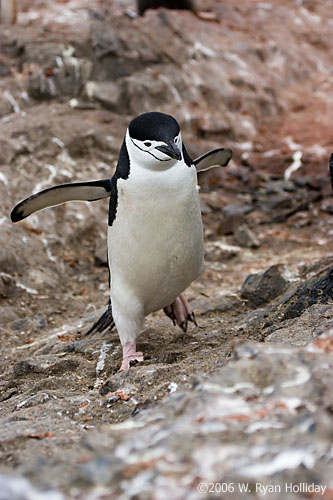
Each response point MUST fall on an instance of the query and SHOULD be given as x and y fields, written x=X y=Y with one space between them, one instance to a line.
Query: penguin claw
x=180 y=312
x=169 y=312
x=130 y=356
x=191 y=318
x=183 y=326
x=131 y=361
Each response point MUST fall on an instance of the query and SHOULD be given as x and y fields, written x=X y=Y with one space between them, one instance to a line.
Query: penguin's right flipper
x=214 y=158
x=331 y=168
x=76 y=191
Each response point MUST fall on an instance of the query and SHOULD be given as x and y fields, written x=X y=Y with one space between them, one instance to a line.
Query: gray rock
x=259 y=289
x=237 y=209
x=8 y=150
x=296 y=331
x=19 y=488
x=101 y=253
x=7 y=313
x=64 y=76
x=220 y=251
x=7 y=285
x=230 y=424
x=50 y=365
x=327 y=204
x=5 y=107
x=109 y=94
x=80 y=146
x=245 y=237
x=4 y=68
x=312 y=291
x=266 y=415
x=230 y=223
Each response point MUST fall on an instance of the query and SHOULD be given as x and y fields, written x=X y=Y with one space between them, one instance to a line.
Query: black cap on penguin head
x=154 y=126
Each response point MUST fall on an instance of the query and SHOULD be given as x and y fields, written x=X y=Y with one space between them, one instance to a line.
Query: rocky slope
x=244 y=399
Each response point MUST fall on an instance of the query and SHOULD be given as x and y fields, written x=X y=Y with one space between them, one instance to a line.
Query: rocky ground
x=243 y=402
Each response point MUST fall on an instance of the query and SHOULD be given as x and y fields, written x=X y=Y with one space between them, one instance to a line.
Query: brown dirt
x=57 y=383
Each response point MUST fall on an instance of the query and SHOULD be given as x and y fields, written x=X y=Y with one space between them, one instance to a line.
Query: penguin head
x=153 y=141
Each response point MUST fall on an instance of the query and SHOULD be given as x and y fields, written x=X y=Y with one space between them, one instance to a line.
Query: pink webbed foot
x=130 y=354
x=180 y=312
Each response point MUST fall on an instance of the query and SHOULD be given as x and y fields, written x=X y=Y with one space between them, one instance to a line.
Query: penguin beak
x=171 y=150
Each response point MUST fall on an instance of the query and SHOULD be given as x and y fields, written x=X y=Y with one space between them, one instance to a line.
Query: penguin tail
x=104 y=322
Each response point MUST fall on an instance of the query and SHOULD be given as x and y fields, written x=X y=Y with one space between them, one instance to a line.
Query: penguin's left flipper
x=214 y=158
x=76 y=191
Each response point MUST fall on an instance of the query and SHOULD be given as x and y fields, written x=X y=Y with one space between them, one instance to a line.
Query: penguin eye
x=176 y=139
x=147 y=144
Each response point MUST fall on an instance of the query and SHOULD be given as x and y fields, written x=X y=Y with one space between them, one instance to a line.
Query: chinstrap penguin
x=155 y=236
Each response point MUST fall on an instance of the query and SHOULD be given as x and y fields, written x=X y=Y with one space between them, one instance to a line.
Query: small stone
x=109 y=94
x=7 y=285
x=230 y=223
x=63 y=366
x=5 y=107
x=327 y=205
x=237 y=209
x=101 y=258
x=24 y=368
x=4 y=68
x=167 y=358
x=109 y=386
x=245 y=237
x=258 y=289
x=8 y=313
x=220 y=251
x=8 y=149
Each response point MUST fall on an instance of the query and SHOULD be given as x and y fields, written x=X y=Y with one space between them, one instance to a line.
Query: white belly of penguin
x=155 y=244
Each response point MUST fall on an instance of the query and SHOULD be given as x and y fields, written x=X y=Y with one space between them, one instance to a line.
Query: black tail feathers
x=104 y=322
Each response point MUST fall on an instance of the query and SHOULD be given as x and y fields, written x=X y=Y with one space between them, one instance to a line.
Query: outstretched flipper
x=97 y=190
x=214 y=158
x=76 y=191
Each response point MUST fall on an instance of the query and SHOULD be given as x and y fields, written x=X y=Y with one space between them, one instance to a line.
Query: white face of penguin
x=154 y=154
x=153 y=141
